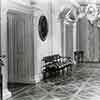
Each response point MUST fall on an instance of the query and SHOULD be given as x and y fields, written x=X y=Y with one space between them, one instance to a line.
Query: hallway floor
x=82 y=84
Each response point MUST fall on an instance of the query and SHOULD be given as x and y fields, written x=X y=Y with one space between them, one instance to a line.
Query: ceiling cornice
x=89 y=2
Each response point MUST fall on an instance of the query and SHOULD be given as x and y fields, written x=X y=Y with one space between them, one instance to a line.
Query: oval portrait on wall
x=43 y=27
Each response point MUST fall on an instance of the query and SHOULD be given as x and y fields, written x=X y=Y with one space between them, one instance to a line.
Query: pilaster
x=62 y=35
x=74 y=40
x=96 y=33
x=5 y=91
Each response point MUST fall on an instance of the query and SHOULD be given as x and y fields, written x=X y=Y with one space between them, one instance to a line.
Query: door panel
x=20 y=51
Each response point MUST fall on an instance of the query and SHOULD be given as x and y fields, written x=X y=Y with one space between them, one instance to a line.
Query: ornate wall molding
x=91 y=11
x=12 y=5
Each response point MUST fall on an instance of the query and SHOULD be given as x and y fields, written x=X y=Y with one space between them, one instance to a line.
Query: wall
x=93 y=42
x=53 y=44
x=25 y=68
x=83 y=36
x=24 y=2
x=88 y=40
x=42 y=48
x=57 y=26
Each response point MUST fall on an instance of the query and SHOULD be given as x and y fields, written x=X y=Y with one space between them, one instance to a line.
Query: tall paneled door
x=20 y=47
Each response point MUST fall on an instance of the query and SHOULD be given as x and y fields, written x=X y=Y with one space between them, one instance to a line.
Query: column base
x=6 y=94
x=74 y=62
x=37 y=78
x=96 y=60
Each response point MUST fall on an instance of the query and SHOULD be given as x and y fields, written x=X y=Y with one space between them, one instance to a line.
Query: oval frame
x=43 y=27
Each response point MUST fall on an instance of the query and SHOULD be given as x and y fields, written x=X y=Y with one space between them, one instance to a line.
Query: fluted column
x=74 y=40
x=96 y=33
x=5 y=91
x=62 y=35
x=64 y=39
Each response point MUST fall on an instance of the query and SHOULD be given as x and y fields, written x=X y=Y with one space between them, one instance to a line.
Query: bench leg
x=71 y=67
x=67 y=69
x=44 y=75
x=63 y=72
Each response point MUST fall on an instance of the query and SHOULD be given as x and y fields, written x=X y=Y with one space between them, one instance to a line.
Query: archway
x=68 y=31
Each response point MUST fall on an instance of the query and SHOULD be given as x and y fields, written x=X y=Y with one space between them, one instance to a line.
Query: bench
x=55 y=64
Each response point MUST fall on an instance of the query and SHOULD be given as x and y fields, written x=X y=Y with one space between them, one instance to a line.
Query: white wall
x=57 y=6
x=52 y=45
x=83 y=36
x=42 y=48
x=24 y=2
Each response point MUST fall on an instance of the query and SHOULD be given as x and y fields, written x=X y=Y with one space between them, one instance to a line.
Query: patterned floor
x=17 y=88
x=82 y=84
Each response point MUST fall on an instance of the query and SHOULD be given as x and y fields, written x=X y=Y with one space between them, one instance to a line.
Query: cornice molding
x=86 y=3
x=12 y=5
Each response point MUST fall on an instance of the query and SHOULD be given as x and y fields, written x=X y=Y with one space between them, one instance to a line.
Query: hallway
x=82 y=84
x=36 y=37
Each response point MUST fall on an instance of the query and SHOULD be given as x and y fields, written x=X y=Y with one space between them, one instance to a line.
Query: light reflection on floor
x=82 y=84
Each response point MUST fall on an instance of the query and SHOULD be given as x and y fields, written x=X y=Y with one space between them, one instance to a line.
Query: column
x=77 y=35
x=62 y=36
x=74 y=39
x=96 y=44
x=5 y=91
x=86 y=55
x=64 y=39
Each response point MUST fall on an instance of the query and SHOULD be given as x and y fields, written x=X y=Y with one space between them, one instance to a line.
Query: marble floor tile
x=82 y=84
x=76 y=98
x=70 y=89
x=93 y=89
x=36 y=92
x=48 y=97
x=95 y=83
x=58 y=92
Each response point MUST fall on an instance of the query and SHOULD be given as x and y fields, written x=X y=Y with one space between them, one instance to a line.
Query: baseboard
x=21 y=82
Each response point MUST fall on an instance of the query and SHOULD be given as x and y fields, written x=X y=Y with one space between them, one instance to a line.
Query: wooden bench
x=55 y=64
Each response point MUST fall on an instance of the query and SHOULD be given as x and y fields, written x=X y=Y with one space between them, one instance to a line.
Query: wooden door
x=20 y=48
